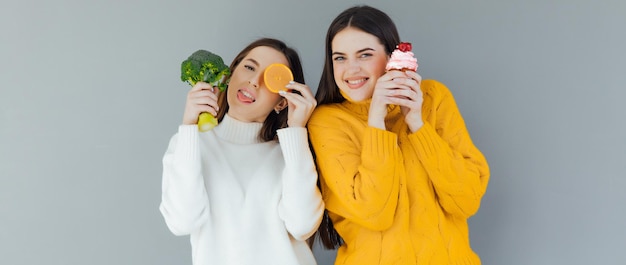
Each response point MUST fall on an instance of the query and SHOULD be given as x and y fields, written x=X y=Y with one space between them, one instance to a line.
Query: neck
x=237 y=131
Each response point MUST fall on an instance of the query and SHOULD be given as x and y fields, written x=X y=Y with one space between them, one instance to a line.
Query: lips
x=356 y=83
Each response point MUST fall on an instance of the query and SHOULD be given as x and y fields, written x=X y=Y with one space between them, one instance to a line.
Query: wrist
x=380 y=124
x=415 y=126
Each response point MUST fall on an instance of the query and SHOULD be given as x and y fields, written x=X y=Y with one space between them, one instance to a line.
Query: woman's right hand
x=201 y=98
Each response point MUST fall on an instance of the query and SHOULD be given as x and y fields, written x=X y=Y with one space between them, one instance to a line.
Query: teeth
x=246 y=94
x=355 y=82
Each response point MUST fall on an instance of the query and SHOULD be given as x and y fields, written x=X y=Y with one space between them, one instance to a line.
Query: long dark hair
x=273 y=121
x=369 y=20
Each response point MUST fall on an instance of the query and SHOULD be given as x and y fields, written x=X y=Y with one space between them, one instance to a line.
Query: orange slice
x=277 y=76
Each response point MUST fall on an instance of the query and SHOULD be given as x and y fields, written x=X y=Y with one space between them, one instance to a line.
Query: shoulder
x=326 y=114
x=326 y=109
x=435 y=89
x=437 y=96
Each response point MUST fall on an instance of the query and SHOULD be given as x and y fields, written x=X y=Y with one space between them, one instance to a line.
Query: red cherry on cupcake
x=405 y=46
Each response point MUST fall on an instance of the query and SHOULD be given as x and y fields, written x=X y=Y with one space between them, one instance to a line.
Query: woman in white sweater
x=246 y=190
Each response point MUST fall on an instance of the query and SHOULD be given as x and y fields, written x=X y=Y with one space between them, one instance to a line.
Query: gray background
x=90 y=96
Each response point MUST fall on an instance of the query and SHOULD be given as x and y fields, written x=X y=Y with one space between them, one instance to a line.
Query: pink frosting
x=402 y=60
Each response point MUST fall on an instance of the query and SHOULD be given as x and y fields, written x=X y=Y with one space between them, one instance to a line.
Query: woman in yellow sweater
x=399 y=173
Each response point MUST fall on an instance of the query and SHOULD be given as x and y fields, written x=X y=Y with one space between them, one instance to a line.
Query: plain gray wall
x=90 y=95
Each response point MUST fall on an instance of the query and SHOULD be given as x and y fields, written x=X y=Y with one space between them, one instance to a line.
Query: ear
x=282 y=104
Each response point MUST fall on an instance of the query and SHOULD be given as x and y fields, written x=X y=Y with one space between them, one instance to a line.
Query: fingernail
x=282 y=92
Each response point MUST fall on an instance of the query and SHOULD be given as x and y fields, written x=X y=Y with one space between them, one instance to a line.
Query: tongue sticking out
x=243 y=98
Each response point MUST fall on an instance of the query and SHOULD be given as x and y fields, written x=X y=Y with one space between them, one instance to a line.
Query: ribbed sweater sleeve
x=457 y=169
x=360 y=173
x=184 y=201
x=301 y=206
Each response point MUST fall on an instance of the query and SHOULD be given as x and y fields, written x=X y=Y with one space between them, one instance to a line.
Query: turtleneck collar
x=236 y=131
x=362 y=108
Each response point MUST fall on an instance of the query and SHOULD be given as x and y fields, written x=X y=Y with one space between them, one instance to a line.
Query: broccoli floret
x=204 y=66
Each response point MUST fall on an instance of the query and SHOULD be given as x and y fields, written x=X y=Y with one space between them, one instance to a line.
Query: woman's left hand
x=410 y=98
x=301 y=105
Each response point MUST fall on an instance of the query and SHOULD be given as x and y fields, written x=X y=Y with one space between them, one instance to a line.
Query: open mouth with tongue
x=245 y=96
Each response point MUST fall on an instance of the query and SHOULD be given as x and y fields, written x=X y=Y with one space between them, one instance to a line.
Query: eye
x=365 y=55
x=249 y=67
x=338 y=58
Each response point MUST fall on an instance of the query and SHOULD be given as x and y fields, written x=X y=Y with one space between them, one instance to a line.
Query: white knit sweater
x=242 y=201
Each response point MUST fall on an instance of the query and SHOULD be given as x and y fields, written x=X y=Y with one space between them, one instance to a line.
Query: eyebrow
x=253 y=61
x=359 y=51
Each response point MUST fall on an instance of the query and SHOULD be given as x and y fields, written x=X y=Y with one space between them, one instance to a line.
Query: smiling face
x=248 y=98
x=359 y=59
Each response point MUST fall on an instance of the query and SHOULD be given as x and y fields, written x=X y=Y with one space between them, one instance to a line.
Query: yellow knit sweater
x=394 y=196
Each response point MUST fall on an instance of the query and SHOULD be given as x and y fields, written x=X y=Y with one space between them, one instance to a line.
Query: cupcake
x=402 y=58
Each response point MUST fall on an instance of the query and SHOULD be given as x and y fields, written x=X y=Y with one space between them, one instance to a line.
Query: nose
x=256 y=80
x=253 y=83
x=354 y=66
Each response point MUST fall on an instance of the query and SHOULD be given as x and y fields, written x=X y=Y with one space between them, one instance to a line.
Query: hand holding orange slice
x=277 y=76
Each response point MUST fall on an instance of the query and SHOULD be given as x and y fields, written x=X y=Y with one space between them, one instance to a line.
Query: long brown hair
x=273 y=121
x=369 y=20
